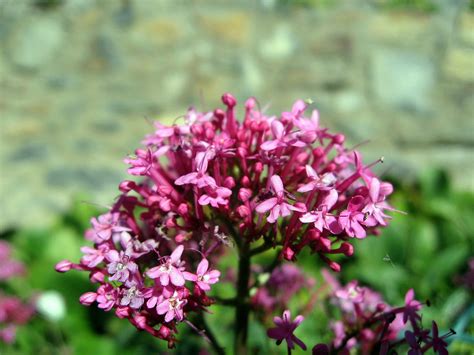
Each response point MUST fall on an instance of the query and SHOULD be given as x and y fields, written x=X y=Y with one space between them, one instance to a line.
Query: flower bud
x=250 y=103
x=229 y=182
x=318 y=152
x=258 y=167
x=183 y=209
x=245 y=181
x=219 y=114
x=63 y=266
x=301 y=205
x=243 y=211
x=164 y=332
x=334 y=266
x=347 y=249
x=170 y=223
x=122 y=312
x=209 y=133
x=97 y=276
x=197 y=130
x=164 y=190
x=288 y=254
x=242 y=152
x=140 y=321
x=245 y=194
x=180 y=237
x=127 y=185
x=338 y=139
x=229 y=100
x=88 y=298
x=302 y=158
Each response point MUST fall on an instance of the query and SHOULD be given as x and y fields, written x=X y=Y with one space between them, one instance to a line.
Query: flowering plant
x=13 y=311
x=212 y=186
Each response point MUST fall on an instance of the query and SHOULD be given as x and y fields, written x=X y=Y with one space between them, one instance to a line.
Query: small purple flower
x=132 y=296
x=309 y=129
x=278 y=131
x=120 y=265
x=107 y=297
x=323 y=183
x=198 y=178
x=321 y=218
x=94 y=257
x=284 y=330
x=141 y=163
x=172 y=305
x=352 y=218
x=106 y=225
x=412 y=306
x=415 y=348
x=377 y=193
x=215 y=196
x=277 y=205
x=170 y=270
x=438 y=343
x=204 y=277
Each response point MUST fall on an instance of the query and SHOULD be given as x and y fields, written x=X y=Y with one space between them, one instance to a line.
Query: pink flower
x=278 y=131
x=107 y=297
x=377 y=193
x=277 y=205
x=296 y=111
x=132 y=296
x=204 y=277
x=321 y=218
x=106 y=225
x=141 y=163
x=215 y=196
x=352 y=219
x=284 y=330
x=94 y=257
x=309 y=129
x=170 y=270
x=171 y=305
x=323 y=183
x=120 y=265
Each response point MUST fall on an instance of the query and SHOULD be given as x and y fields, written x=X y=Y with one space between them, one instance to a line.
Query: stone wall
x=80 y=80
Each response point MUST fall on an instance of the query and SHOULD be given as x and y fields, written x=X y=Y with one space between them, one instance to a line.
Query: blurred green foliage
x=426 y=249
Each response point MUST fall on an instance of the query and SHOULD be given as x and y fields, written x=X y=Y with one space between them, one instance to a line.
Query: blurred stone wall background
x=81 y=78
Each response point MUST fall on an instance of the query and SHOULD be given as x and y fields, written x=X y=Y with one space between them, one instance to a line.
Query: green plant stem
x=242 y=306
x=212 y=338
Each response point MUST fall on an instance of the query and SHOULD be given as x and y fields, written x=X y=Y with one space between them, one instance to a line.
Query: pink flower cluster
x=284 y=282
x=268 y=181
x=371 y=325
x=13 y=311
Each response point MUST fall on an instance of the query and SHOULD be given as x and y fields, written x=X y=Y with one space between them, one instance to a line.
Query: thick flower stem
x=242 y=307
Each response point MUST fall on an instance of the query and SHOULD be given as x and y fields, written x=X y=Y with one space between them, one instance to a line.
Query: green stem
x=242 y=306
x=212 y=338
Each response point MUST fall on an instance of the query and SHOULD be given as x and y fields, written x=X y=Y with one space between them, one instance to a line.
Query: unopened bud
x=338 y=139
x=334 y=266
x=122 y=312
x=229 y=182
x=229 y=100
x=88 y=298
x=63 y=266
x=127 y=185
x=245 y=194
x=183 y=209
